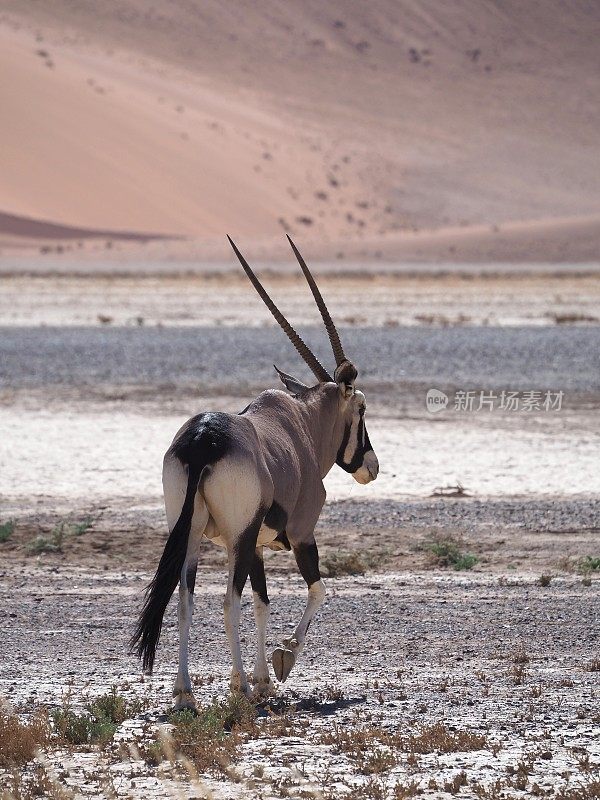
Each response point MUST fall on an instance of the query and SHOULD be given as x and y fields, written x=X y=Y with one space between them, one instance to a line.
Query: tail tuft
x=147 y=633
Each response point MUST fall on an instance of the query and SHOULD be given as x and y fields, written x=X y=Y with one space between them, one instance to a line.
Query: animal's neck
x=326 y=428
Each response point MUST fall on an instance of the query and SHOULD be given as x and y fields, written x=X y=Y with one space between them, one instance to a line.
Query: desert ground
x=436 y=163
x=457 y=651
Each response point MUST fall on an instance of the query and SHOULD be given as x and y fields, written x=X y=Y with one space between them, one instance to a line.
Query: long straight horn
x=334 y=338
x=309 y=357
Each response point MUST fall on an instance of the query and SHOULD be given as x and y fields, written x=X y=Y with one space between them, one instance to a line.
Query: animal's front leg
x=284 y=657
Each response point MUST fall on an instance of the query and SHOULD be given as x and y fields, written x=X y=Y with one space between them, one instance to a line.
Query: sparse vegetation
x=584 y=791
x=99 y=722
x=337 y=564
x=79 y=528
x=518 y=670
x=82 y=729
x=545 y=579
x=54 y=541
x=6 y=530
x=589 y=564
x=568 y=318
x=458 y=490
x=374 y=749
x=19 y=740
x=35 y=783
x=447 y=552
x=209 y=738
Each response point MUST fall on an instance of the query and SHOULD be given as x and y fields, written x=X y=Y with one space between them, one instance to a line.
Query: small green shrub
x=79 y=528
x=81 y=729
x=589 y=564
x=6 y=530
x=114 y=707
x=53 y=542
x=447 y=552
x=209 y=737
x=47 y=544
x=98 y=724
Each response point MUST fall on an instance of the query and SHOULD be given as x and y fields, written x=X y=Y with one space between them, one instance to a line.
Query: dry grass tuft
x=19 y=740
x=455 y=784
x=518 y=669
x=36 y=783
x=337 y=564
x=586 y=791
x=376 y=750
x=438 y=738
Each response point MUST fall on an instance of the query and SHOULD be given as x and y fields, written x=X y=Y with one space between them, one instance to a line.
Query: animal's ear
x=345 y=375
x=291 y=384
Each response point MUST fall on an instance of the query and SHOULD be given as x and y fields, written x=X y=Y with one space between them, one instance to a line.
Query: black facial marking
x=276 y=518
x=359 y=453
x=190 y=577
x=307 y=558
x=244 y=552
x=257 y=578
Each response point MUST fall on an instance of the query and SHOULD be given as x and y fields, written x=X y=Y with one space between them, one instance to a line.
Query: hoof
x=244 y=689
x=263 y=688
x=283 y=660
x=239 y=684
x=185 y=701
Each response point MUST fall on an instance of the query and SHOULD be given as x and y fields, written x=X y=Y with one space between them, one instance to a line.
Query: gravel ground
x=227 y=359
x=400 y=651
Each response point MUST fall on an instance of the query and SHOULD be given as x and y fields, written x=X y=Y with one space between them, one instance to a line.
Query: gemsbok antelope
x=253 y=480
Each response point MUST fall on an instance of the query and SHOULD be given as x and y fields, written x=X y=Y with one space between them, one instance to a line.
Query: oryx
x=254 y=480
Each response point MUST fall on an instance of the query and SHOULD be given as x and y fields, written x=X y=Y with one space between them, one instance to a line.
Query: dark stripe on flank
x=276 y=518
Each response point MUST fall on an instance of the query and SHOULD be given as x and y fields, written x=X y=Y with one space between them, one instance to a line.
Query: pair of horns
x=343 y=366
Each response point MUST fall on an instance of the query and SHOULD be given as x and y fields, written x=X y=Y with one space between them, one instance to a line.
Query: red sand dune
x=407 y=129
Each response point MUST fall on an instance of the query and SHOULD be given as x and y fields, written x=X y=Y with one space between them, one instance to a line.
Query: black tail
x=147 y=633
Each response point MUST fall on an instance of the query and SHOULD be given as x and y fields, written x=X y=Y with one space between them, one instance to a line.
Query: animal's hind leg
x=182 y=690
x=240 y=552
x=284 y=658
x=261 y=679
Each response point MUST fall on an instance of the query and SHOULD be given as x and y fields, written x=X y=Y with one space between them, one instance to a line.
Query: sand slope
x=351 y=126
